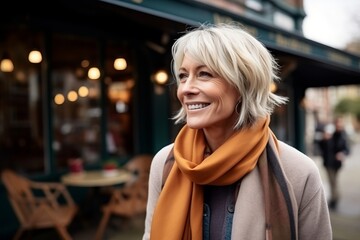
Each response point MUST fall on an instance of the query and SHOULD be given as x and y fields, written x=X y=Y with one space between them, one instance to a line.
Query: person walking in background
x=335 y=148
x=227 y=176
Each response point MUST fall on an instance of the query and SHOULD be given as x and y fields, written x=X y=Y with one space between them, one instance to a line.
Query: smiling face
x=208 y=99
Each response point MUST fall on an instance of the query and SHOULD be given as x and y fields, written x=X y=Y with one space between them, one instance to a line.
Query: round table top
x=96 y=178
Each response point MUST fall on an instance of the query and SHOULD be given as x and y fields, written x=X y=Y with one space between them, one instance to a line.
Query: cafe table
x=95 y=180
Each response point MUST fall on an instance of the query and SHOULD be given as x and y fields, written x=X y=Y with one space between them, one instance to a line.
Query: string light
x=6 y=65
x=35 y=56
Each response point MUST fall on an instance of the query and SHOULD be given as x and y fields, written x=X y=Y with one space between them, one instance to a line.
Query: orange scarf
x=179 y=211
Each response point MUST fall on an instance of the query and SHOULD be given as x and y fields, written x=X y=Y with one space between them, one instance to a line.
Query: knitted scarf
x=179 y=211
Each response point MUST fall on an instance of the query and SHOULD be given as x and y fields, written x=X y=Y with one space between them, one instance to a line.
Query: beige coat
x=305 y=185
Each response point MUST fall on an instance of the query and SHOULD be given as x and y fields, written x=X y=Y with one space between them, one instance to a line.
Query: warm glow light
x=80 y=72
x=72 y=96
x=118 y=91
x=6 y=65
x=161 y=77
x=35 y=56
x=83 y=91
x=273 y=87
x=94 y=73
x=85 y=63
x=130 y=83
x=120 y=64
x=93 y=92
x=59 y=99
x=20 y=76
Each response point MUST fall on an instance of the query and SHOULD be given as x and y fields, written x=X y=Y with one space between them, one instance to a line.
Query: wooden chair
x=131 y=199
x=39 y=204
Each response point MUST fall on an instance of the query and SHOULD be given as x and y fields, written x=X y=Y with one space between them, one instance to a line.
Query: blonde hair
x=239 y=59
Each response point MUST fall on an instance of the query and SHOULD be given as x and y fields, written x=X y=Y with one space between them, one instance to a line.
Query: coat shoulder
x=301 y=171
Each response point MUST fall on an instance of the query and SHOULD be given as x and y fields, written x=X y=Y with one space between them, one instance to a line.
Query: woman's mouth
x=197 y=106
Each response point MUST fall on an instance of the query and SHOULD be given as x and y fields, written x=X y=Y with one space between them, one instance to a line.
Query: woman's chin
x=195 y=125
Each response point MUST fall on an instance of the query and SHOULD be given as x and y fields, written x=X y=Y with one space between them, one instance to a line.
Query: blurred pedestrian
x=335 y=148
x=227 y=174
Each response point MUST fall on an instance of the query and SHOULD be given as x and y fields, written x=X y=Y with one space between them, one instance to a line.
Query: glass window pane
x=76 y=99
x=119 y=89
x=21 y=126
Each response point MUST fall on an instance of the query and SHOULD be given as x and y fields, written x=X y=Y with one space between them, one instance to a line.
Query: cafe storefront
x=102 y=87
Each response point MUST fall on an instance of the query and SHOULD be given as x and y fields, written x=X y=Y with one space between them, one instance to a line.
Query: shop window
x=21 y=100
x=76 y=114
x=119 y=84
x=75 y=79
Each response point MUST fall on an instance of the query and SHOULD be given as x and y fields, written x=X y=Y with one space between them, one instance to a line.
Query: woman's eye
x=182 y=76
x=205 y=74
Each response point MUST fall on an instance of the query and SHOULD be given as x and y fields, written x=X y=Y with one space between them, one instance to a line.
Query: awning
x=319 y=65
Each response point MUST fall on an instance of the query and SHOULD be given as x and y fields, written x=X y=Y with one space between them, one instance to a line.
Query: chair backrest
x=19 y=193
x=131 y=199
x=135 y=191
x=140 y=166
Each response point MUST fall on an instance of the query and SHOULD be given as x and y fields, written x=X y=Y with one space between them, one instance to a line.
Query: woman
x=230 y=177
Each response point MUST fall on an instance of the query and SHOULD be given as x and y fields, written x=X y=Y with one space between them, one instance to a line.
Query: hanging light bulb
x=35 y=56
x=161 y=77
x=6 y=65
x=273 y=87
x=120 y=64
x=94 y=73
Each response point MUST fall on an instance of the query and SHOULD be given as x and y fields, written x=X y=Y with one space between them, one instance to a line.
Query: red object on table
x=76 y=165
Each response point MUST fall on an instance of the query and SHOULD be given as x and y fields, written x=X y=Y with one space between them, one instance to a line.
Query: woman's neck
x=216 y=137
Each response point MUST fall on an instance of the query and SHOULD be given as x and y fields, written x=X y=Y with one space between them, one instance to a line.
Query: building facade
x=103 y=86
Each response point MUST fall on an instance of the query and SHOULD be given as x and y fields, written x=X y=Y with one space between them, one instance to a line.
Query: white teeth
x=196 y=106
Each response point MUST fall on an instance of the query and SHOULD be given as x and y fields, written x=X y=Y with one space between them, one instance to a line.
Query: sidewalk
x=346 y=218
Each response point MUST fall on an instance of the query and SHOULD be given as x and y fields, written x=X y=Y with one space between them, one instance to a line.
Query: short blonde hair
x=238 y=58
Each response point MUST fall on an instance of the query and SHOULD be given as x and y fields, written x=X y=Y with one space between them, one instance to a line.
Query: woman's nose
x=189 y=87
